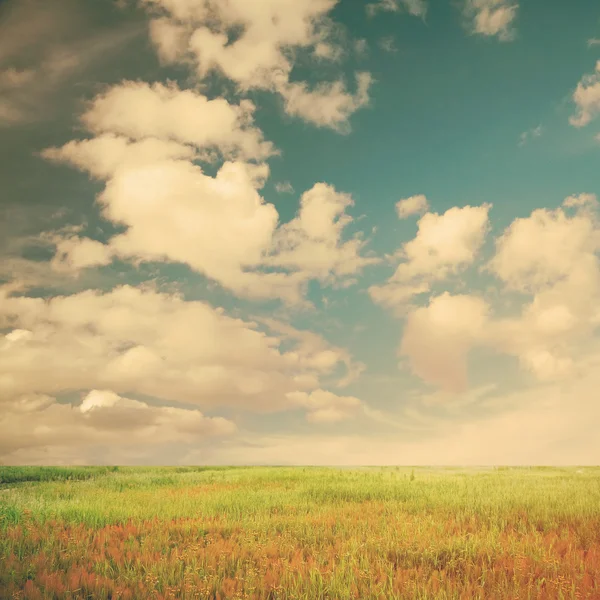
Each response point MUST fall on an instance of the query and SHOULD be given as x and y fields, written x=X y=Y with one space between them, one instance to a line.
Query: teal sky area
x=398 y=271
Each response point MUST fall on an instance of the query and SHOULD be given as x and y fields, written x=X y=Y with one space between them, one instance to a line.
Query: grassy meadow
x=303 y=533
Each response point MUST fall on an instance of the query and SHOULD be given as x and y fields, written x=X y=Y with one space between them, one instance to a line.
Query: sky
x=312 y=232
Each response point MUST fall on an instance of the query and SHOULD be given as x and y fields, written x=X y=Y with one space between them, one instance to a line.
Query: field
x=306 y=533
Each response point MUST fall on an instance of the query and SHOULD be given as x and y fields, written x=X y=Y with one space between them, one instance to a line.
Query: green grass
x=402 y=528
x=11 y=475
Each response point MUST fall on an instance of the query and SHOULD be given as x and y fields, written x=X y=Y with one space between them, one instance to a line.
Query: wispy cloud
x=41 y=49
x=284 y=187
x=388 y=44
x=416 y=8
x=530 y=134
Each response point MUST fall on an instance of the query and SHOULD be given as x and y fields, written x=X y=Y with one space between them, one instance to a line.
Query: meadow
x=299 y=533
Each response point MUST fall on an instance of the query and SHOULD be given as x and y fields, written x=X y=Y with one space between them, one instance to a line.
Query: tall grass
x=21 y=474
x=303 y=533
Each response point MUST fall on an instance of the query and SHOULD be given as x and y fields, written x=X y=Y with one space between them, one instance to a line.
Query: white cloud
x=312 y=351
x=544 y=425
x=326 y=407
x=74 y=253
x=414 y=205
x=311 y=242
x=106 y=154
x=328 y=104
x=262 y=53
x=140 y=341
x=397 y=296
x=170 y=39
x=325 y=51
x=173 y=211
x=284 y=187
x=100 y=420
x=258 y=56
x=593 y=42
x=139 y=110
x=587 y=99
x=550 y=256
x=103 y=409
x=530 y=134
x=491 y=17
x=417 y=8
x=581 y=201
x=444 y=245
x=540 y=250
x=437 y=339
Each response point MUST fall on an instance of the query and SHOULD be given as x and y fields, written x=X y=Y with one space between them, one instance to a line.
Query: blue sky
x=308 y=232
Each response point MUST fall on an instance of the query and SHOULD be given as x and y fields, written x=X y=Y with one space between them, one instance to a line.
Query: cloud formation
x=438 y=337
x=139 y=111
x=103 y=418
x=416 y=8
x=530 y=134
x=444 y=245
x=551 y=257
x=141 y=341
x=587 y=99
x=491 y=17
x=255 y=48
x=49 y=50
x=414 y=205
x=174 y=211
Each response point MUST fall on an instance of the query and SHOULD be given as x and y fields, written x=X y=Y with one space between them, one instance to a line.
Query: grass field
x=305 y=533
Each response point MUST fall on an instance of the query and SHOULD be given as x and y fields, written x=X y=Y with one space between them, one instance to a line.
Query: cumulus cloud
x=581 y=201
x=173 y=211
x=329 y=104
x=587 y=99
x=74 y=254
x=311 y=242
x=103 y=409
x=414 y=205
x=545 y=248
x=102 y=418
x=106 y=154
x=255 y=47
x=141 y=341
x=491 y=17
x=552 y=257
x=437 y=339
x=549 y=257
x=444 y=245
x=139 y=110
